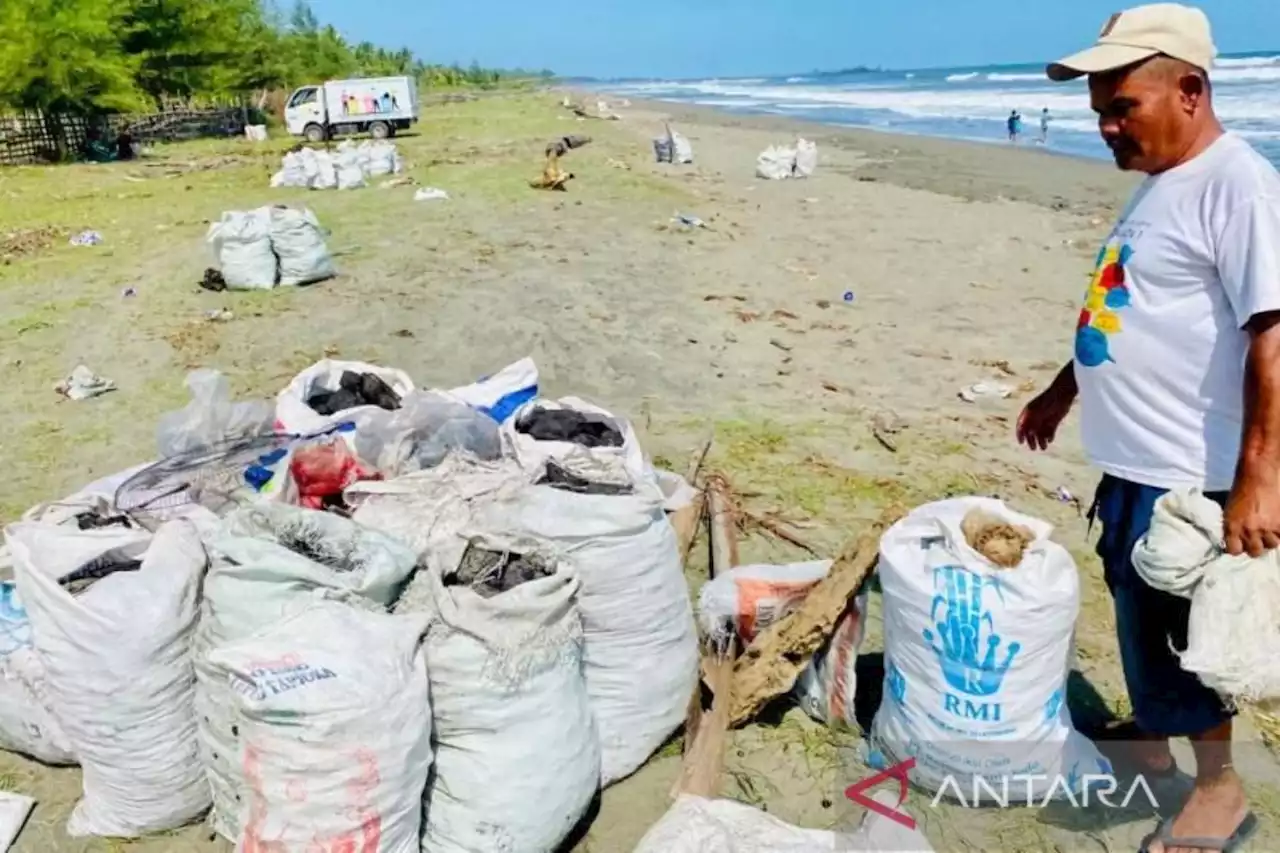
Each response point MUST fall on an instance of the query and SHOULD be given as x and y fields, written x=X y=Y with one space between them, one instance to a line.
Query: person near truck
x=1177 y=369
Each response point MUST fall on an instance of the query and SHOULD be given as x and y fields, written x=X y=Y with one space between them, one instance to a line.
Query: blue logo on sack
x=1054 y=705
x=896 y=683
x=966 y=642
x=15 y=630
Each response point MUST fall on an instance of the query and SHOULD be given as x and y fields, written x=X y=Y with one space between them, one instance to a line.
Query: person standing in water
x=1044 y=127
x=1015 y=126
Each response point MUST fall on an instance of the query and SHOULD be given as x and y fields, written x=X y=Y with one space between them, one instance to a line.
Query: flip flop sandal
x=1246 y=830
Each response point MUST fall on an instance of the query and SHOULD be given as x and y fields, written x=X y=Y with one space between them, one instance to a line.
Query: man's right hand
x=1038 y=424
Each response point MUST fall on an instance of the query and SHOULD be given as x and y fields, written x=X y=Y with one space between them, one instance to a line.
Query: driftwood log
x=707 y=731
x=776 y=657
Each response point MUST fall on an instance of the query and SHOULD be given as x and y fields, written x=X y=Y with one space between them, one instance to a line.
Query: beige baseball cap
x=1182 y=32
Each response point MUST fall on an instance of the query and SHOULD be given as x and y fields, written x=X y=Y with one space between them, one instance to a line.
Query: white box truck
x=378 y=106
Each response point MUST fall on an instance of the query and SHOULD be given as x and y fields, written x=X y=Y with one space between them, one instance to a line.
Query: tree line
x=99 y=56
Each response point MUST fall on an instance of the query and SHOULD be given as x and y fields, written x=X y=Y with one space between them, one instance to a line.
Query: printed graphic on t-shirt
x=1107 y=296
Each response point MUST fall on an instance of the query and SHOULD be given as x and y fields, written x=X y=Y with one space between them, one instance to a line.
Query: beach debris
x=707 y=729
x=87 y=238
x=219 y=315
x=885 y=425
x=213 y=280
x=774 y=342
x=996 y=539
x=82 y=383
x=985 y=391
x=430 y=194
x=672 y=148
x=27 y=241
x=846 y=298
x=777 y=163
x=688 y=221
x=771 y=664
x=128 y=292
x=255 y=132
x=392 y=183
x=565 y=144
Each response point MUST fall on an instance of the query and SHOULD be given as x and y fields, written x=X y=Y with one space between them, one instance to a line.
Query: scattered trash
x=847 y=297
x=688 y=221
x=87 y=238
x=778 y=163
x=219 y=315
x=430 y=194
x=1065 y=496
x=565 y=144
x=884 y=426
x=213 y=280
x=255 y=132
x=128 y=292
x=553 y=177
x=985 y=391
x=83 y=383
x=211 y=417
x=392 y=183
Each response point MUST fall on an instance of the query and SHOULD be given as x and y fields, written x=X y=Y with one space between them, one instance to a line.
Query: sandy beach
x=966 y=262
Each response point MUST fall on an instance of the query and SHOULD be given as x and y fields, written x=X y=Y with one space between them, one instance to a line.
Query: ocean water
x=970 y=103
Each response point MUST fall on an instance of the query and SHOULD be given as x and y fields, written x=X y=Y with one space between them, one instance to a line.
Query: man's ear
x=1193 y=89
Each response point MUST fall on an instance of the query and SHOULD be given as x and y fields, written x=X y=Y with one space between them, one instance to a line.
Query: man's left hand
x=1251 y=523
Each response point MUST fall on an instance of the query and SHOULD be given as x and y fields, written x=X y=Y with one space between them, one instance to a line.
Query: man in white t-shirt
x=1177 y=367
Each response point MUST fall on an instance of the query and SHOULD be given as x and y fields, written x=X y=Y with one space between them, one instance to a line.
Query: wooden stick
x=687 y=520
x=777 y=655
x=778 y=530
x=704 y=753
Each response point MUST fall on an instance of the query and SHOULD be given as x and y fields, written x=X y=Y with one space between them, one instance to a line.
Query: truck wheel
x=314 y=133
x=379 y=130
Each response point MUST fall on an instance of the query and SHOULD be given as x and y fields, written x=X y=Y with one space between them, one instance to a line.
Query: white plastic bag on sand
x=432 y=506
x=259 y=579
x=427 y=427
x=28 y=721
x=1233 y=636
x=298 y=241
x=977 y=656
x=698 y=825
x=806 y=158
x=211 y=417
x=499 y=395
x=294 y=415
x=641 y=641
x=242 y=246
x=119 y=661
x=293 y=172
x=747 y=599
x=517 y=755
x=335 y=730
x=775 y=163
x=681 y=149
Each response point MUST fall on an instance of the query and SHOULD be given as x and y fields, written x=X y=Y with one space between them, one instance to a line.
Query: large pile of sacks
x=350 y=167
x=364 y=616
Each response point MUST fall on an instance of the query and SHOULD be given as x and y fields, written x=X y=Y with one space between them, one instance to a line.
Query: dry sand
x=967 y=264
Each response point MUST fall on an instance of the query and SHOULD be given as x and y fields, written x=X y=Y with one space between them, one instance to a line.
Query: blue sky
x=705 y=38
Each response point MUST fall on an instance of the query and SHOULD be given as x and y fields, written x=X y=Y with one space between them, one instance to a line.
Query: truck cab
x=305 y=114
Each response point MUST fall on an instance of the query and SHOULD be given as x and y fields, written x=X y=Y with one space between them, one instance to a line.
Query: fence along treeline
x=92 y=57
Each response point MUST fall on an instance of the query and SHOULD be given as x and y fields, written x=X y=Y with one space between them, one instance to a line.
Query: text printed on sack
x=272 y=678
